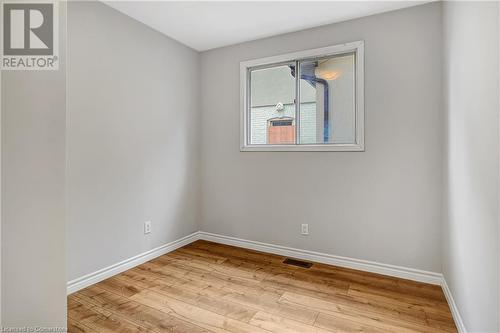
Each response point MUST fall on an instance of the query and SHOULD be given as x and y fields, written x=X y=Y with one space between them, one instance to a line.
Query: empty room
x=250 y=166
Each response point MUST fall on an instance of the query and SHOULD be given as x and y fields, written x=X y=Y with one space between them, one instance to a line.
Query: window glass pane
x=272 y=105
x=327 y=100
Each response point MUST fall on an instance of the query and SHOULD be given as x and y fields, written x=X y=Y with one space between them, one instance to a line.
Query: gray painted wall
x=1 y=104
x=133 y=154
x=383 y=204
x=133 y=138
x=471 y=225
x=33 y=194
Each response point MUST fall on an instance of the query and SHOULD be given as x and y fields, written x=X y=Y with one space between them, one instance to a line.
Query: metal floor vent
x=298 y=263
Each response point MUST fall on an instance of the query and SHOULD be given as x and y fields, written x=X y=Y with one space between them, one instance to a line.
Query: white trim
x=357 y=47
x=358 y=264
x=104 y=273
x=453 y=307
x=322 y=51
x=362 y=265
x=320 y=147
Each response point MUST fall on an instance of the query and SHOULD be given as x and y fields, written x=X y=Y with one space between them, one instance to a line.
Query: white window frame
x=356 y=47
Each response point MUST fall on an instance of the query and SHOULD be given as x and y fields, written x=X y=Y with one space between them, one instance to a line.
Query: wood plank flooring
x=208 y=287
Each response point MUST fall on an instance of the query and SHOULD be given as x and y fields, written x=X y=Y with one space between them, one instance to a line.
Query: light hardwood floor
x=208 y=287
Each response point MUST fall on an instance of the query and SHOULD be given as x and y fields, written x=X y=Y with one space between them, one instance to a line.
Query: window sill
x=303 y=148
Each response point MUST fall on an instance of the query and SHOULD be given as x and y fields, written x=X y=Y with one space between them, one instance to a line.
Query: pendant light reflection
x=327 y=75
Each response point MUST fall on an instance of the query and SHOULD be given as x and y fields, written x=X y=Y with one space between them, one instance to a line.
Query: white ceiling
x=205 y=25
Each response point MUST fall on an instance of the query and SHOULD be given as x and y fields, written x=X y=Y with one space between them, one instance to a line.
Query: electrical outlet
x=147 y=227
x=305 y=229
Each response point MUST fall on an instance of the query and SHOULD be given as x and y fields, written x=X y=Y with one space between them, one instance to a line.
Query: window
x=304 y=101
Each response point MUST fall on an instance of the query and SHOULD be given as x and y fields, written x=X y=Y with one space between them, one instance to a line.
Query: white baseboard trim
x=102 y=274
x=362 y=265
x=453 y=307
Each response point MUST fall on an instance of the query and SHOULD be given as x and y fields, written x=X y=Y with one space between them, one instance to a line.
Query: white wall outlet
x=147 y=227
x=304 y=229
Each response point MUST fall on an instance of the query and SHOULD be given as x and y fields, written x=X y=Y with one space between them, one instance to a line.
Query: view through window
x=307 y=102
